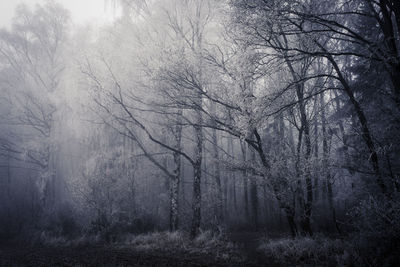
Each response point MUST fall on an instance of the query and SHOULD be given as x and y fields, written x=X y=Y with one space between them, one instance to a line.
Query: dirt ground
x=245 y=243
x=105 y=256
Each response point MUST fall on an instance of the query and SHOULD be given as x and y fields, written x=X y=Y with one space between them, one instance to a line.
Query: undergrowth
x=306 y=251
x=175 y=243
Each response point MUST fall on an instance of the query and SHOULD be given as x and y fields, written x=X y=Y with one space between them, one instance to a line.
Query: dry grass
x=174 y=243
x=304 y=251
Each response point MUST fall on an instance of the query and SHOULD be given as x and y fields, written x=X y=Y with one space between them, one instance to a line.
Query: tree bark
x=253 y=194
x=198 y=154
x=245 y=184
x=175 y=179
x=217 y=175
x=232 y=174
x=325 y=164
x=316 y=156
x=305 y=128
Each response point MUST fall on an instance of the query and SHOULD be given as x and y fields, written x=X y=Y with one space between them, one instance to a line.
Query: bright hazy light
x=82 y=11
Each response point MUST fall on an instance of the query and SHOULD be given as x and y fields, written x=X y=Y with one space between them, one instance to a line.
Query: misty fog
x=200 y=133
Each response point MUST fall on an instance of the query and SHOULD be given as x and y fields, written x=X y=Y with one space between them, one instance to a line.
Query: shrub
x=158 y=241
x=378 y=237
x=61 y=223
x=303 y=251
x=176 y=242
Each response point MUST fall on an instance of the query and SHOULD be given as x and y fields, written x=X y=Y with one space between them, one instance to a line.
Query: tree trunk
x=175 y=179
x=174 y=191
x=292 y=223
x=341 y=128
x=217 y=175
x=305 y=127
x=325 y=163
x=235 y=204
x=316 y=156
x=196 y=202
x=267 y=210
x=245 y=184
x=232 y=174
x=254 y=194
x=307 y=173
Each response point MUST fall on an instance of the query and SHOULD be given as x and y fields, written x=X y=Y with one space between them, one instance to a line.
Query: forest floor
x=109 y=256
x=105 y=256
x=242 y=251
x=176 y=249
x=247 y=243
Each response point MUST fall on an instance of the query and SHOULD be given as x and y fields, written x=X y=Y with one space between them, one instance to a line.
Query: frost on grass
x=178 y=242
x=173 y=243
x=307 y=251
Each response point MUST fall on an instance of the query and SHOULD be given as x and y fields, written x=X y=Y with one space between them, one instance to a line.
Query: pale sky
x=82 y=11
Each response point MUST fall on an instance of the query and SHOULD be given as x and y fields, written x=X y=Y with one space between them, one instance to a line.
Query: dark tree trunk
x=254 y=201
x=305 y=128
x=316 y=156
x=307 y=173
x=196 y=201
x=267 y=210
x=290 y=215
x=232 y=174
x=234 y=193
x=175 y=179
x=245 y=184
x=341 y=128
x=253 y=194
x=217 y=175
x=325 y=164
x=306 y=217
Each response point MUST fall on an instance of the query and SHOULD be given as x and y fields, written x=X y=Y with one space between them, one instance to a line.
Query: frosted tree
x=33 y=66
